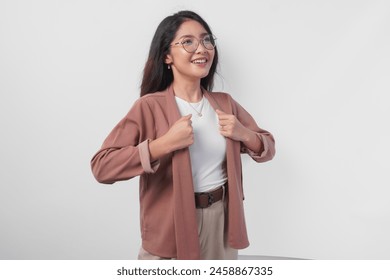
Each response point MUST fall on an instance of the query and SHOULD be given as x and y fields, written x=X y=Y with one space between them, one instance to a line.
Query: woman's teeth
x=199 y=61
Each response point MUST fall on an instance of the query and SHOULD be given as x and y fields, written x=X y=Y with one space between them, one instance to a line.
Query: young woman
x=185 y=143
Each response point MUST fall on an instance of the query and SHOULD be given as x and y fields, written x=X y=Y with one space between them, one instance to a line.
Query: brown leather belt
x=206 y=199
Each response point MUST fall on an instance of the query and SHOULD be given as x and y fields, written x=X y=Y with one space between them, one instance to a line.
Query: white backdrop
x=314 y=73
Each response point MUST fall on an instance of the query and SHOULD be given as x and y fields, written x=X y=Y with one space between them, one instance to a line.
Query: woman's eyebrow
x=188 y=35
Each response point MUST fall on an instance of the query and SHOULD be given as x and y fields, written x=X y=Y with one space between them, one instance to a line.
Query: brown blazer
x=168 y=216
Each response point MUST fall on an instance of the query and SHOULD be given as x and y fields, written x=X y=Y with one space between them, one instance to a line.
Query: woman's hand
x=179 y=136
x=231 y=127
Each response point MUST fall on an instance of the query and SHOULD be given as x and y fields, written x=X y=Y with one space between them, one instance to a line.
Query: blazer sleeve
x=267 y=151
x=125 y=152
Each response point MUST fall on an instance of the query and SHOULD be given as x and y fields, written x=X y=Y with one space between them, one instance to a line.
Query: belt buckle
x=210 y=199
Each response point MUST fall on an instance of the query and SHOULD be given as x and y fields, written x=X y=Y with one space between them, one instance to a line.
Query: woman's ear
x=168 y=59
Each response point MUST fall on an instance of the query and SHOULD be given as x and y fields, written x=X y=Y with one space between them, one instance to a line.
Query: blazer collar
x=218 y=101
x=214 y=99
x=172 y=109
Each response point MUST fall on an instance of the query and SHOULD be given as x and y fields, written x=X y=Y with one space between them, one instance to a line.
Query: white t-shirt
x=208 y=152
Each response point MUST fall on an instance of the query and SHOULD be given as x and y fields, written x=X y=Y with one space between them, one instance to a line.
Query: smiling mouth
x=199 y=61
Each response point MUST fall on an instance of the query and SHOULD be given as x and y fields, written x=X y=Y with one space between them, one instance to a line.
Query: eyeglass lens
x=191 y=44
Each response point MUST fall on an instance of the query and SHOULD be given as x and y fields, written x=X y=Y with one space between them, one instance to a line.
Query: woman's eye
x=187 y=42
x=208 y=40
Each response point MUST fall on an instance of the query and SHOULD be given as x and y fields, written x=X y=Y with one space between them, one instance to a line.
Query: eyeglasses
x=191 y=44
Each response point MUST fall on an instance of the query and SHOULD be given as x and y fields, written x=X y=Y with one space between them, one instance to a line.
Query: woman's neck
x=190 y=92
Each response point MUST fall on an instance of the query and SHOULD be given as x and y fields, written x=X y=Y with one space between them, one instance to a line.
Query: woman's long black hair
x=157 y=76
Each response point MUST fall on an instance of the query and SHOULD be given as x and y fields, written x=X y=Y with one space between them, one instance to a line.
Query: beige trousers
x=212 y=238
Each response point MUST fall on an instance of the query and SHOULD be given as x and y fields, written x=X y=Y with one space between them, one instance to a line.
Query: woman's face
x=186 y=65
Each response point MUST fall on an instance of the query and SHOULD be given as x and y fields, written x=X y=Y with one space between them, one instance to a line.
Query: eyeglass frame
x=198 y=42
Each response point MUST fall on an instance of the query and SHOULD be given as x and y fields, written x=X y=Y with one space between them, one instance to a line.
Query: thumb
x=219 y=112
x=187 y=117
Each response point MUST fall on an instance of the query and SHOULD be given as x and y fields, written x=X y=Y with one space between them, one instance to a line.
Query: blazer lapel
x=172 y=109
x=218 y=101
x=186 y=229
x=233 y=169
